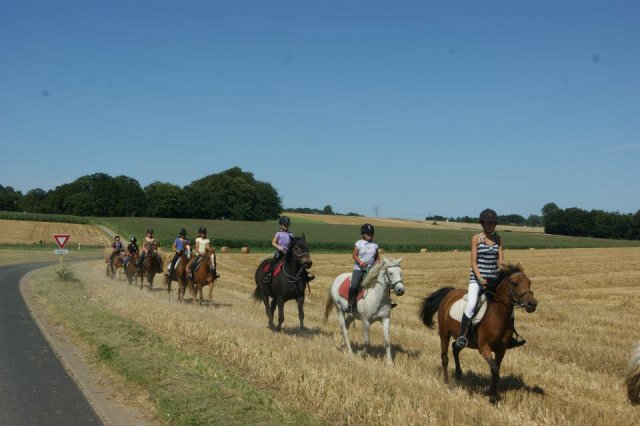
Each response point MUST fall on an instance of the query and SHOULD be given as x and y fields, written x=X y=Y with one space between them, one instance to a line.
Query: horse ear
x=400 y=260
x=303 y=236
x=384 y=259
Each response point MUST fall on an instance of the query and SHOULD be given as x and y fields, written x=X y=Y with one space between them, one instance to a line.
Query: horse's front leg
x=300 y=301
x=492 y=391
x=387 y=339
x=456 y=358
x=280 y=313
x=270 y=311
x=365 y=331
x=211 y=289
x=344 y=327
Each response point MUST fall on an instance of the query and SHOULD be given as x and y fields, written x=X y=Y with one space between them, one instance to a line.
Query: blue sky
x=413 y=107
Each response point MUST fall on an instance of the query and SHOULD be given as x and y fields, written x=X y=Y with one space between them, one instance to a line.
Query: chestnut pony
x=180 y=275
x=204 y=275
x=511 y=288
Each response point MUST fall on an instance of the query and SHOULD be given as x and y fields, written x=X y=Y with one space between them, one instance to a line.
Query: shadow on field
x=475 y=383
x=207 y=303
x=379 y=352
x=305 y=333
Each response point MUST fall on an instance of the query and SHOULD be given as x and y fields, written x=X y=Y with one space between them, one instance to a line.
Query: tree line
x=595 y=223
x=231 y=194
x=507 y=219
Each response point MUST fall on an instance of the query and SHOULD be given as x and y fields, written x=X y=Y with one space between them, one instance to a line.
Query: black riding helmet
x=134 y=239
x=182 y=232
x=367 y=228
x=202 y=230
x=488 y=215
x=284 y=220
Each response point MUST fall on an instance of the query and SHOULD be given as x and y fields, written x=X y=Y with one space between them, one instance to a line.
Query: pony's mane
x=506 y=271
x=372 y=276
x=292 y=243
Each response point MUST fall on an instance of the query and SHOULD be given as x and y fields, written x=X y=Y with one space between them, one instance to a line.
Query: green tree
x=165 y=200
x=33 y=201
x=9 y=198
x=327 y=209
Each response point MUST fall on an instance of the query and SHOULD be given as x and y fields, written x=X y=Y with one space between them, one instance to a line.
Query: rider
x=280 y=242
x=180 y=245
x=202 y=245
x=150 y=244
x=365 y=254
x=132 y=249
x=117 y=249
x=486 y=259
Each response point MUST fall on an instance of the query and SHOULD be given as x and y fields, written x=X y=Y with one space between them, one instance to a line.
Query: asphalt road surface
x=34 y=386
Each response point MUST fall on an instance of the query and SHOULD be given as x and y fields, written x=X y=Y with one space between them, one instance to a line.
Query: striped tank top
x=487 y=259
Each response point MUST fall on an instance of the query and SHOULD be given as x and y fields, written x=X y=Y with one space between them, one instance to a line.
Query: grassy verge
x=11 y=254
x=184 y=386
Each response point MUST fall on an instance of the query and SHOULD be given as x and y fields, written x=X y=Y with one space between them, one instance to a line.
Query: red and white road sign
x=61 y=240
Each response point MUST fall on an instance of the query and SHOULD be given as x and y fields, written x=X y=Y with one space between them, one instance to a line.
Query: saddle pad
x=176 y=267
x=343 y=290
x=276 y=271
x=457 y=309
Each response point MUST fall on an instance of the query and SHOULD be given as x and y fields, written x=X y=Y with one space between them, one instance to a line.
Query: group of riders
x=486 y=259
x=181 y=246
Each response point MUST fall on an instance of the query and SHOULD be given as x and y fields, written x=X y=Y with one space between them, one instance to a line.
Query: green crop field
x=328 y=237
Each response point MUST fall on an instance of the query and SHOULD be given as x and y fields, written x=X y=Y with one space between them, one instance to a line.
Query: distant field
x=32 y=232
x=340 y=237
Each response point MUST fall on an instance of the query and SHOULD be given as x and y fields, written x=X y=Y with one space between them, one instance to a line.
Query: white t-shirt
x=366 y=252
x=201 y=245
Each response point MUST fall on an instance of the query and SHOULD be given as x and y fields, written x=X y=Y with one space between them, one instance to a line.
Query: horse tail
x=431 y=303
x=633 y=376
x=328 y=306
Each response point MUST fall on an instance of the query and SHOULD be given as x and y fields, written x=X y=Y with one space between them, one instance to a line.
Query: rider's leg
x=172 y=266
x=274 y=262
x=472 y=299
x=141 y=259
x=517 y=340
x=356 y=277
x=190 y=265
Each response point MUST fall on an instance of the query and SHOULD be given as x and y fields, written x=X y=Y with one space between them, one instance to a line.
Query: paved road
x=34 y=387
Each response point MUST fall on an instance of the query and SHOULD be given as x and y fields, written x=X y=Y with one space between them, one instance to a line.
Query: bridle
x=296 y=277
x=388 y=281
x=514 y=298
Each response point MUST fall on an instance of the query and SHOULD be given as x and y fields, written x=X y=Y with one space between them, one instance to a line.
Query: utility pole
x=376 y=210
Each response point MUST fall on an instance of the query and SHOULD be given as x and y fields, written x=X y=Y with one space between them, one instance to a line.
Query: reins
x=514 y=298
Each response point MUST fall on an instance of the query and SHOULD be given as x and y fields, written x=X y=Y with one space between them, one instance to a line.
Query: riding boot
x=516 y=341
x=216 y=274
x=353 y=306
x=462 y=342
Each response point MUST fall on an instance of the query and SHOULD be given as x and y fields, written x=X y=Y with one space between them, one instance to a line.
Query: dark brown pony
x=204 y=275
x=150 y=267
x=130 y=269
x=290 y=283
x=180 y=275
x=511 y=288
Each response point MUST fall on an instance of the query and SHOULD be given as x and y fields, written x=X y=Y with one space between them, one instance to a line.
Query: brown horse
x=204 y=275
x=511 y=288
x=130 y=268
x=114 y=265
x=180 y=275
x=151 y=265
x=289 y=281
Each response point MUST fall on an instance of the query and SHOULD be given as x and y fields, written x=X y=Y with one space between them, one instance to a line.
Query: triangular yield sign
x=61 y=240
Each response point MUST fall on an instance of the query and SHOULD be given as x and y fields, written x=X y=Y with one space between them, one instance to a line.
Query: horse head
x=299 y=252
x=519 y=287
x=388 y=273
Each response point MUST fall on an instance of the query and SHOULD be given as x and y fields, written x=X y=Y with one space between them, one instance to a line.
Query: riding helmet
x=488 y=215
x=134 y=239
x=202 y=230
x=284 y=220
x=367 y=228
x=182 y=232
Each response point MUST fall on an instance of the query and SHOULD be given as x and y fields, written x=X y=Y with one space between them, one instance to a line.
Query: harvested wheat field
x=404 y=223
x=571 y=371
x=28 y=232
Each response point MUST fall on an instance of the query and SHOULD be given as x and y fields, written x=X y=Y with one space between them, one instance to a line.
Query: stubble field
x=569 y=372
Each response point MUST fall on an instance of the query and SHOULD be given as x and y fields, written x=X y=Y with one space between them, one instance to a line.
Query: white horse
x=633 y=376
x=374 y=306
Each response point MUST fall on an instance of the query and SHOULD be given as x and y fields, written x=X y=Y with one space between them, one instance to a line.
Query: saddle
x=276 y=270
x=343 y=290
x=457 y=309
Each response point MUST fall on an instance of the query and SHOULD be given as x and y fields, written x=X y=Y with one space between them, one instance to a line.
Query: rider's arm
x=274 y=243
x=500 y=253
x=355 y=253
x=474 y=261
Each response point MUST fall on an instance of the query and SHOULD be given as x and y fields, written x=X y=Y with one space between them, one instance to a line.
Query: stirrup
x=310 y=277
x=461 y=342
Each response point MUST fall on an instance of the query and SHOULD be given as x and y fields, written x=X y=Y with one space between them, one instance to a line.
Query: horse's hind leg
x=343 y=327
x=300 y=301
x=444 y=356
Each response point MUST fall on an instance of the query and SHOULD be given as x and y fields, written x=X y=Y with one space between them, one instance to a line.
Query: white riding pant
x=472 y=298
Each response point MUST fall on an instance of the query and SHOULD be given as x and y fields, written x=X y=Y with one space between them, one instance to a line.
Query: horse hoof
x=493 y=399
